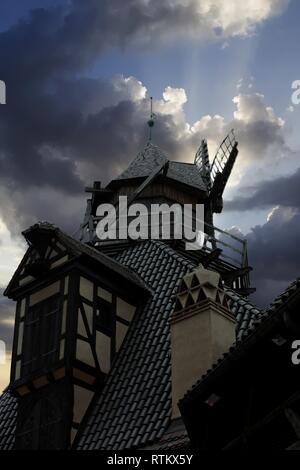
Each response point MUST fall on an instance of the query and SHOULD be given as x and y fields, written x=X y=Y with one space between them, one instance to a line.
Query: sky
x=79 y=75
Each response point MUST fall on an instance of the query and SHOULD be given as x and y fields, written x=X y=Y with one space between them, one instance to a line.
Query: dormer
x=74 y=308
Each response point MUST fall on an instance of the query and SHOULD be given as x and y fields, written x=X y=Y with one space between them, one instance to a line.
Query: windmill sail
x=202 y=162
x=221 y=169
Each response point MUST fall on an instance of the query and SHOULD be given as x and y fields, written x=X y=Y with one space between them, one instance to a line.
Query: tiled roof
x=186 y=173
x=244 y=311
x=151 y=157
x=257 y=319
x=8 y=413
x=174 y=439
x=145 y=162
x=102 y=258
x=286 y=295
x=134 y=407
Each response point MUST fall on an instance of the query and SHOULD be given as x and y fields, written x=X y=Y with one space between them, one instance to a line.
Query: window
x=104 y=318
x=41 y=335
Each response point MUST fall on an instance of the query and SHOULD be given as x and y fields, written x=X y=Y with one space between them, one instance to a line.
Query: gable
x=37 y=261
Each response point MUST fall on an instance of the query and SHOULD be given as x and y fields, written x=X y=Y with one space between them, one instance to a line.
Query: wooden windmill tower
x=153 y=178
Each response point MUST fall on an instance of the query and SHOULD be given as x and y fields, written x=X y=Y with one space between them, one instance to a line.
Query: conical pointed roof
x=152 y=157
x=146 y=161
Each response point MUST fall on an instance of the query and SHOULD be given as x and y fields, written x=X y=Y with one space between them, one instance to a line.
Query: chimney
x=202 y=329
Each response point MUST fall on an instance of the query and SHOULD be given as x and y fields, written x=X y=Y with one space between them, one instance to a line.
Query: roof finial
x=152 y=118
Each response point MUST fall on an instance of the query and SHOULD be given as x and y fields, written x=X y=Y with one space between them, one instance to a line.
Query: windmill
x=216 y=175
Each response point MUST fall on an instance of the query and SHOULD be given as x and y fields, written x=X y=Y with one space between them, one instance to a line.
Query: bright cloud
x=252 y=108
x=129 y=88
x=257 y=126
x=239 y=17
x=226 y=18
x=4 y=373
x=145 y=22
x=102 y=136
x=11 y=252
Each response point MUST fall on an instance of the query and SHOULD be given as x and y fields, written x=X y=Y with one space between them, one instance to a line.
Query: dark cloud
x=51 y=121
x=284 y=191
x=274 y=248
x=274 y=253
x=7 y=314
x=267 y=290
x=60 y=130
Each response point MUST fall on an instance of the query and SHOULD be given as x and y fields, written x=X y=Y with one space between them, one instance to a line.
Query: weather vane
x=151 y=121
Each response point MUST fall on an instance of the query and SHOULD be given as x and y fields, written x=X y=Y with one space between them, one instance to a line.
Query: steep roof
x=174 y=439
x=151 y=157
x=78 y=248
x=144 y=163
x=134 y=408
x=246 y=314
x=186 y=173
x=8 y=415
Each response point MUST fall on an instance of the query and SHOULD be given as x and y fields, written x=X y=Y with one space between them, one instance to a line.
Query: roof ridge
x=281 y=297
x=233 y=294
x=80 y=248
x=150 y=157
x=183 y=163
x=144 y=162
x=173 y=253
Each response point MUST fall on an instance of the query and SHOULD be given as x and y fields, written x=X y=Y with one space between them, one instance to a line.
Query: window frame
x=44 y=337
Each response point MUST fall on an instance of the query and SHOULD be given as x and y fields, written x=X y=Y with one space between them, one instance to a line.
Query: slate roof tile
x=8 y=411
x=151 y=157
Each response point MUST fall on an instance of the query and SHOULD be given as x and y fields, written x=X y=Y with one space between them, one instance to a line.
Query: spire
x=151 y=121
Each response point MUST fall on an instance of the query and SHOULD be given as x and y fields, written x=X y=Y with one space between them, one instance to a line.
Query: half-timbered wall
x=103 y=321
x=71 y=320
x=40 y=329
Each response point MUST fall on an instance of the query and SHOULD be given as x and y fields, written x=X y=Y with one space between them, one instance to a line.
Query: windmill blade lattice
x=223 y=155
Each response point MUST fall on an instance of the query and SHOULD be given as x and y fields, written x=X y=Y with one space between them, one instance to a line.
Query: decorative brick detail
x=199 y=285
